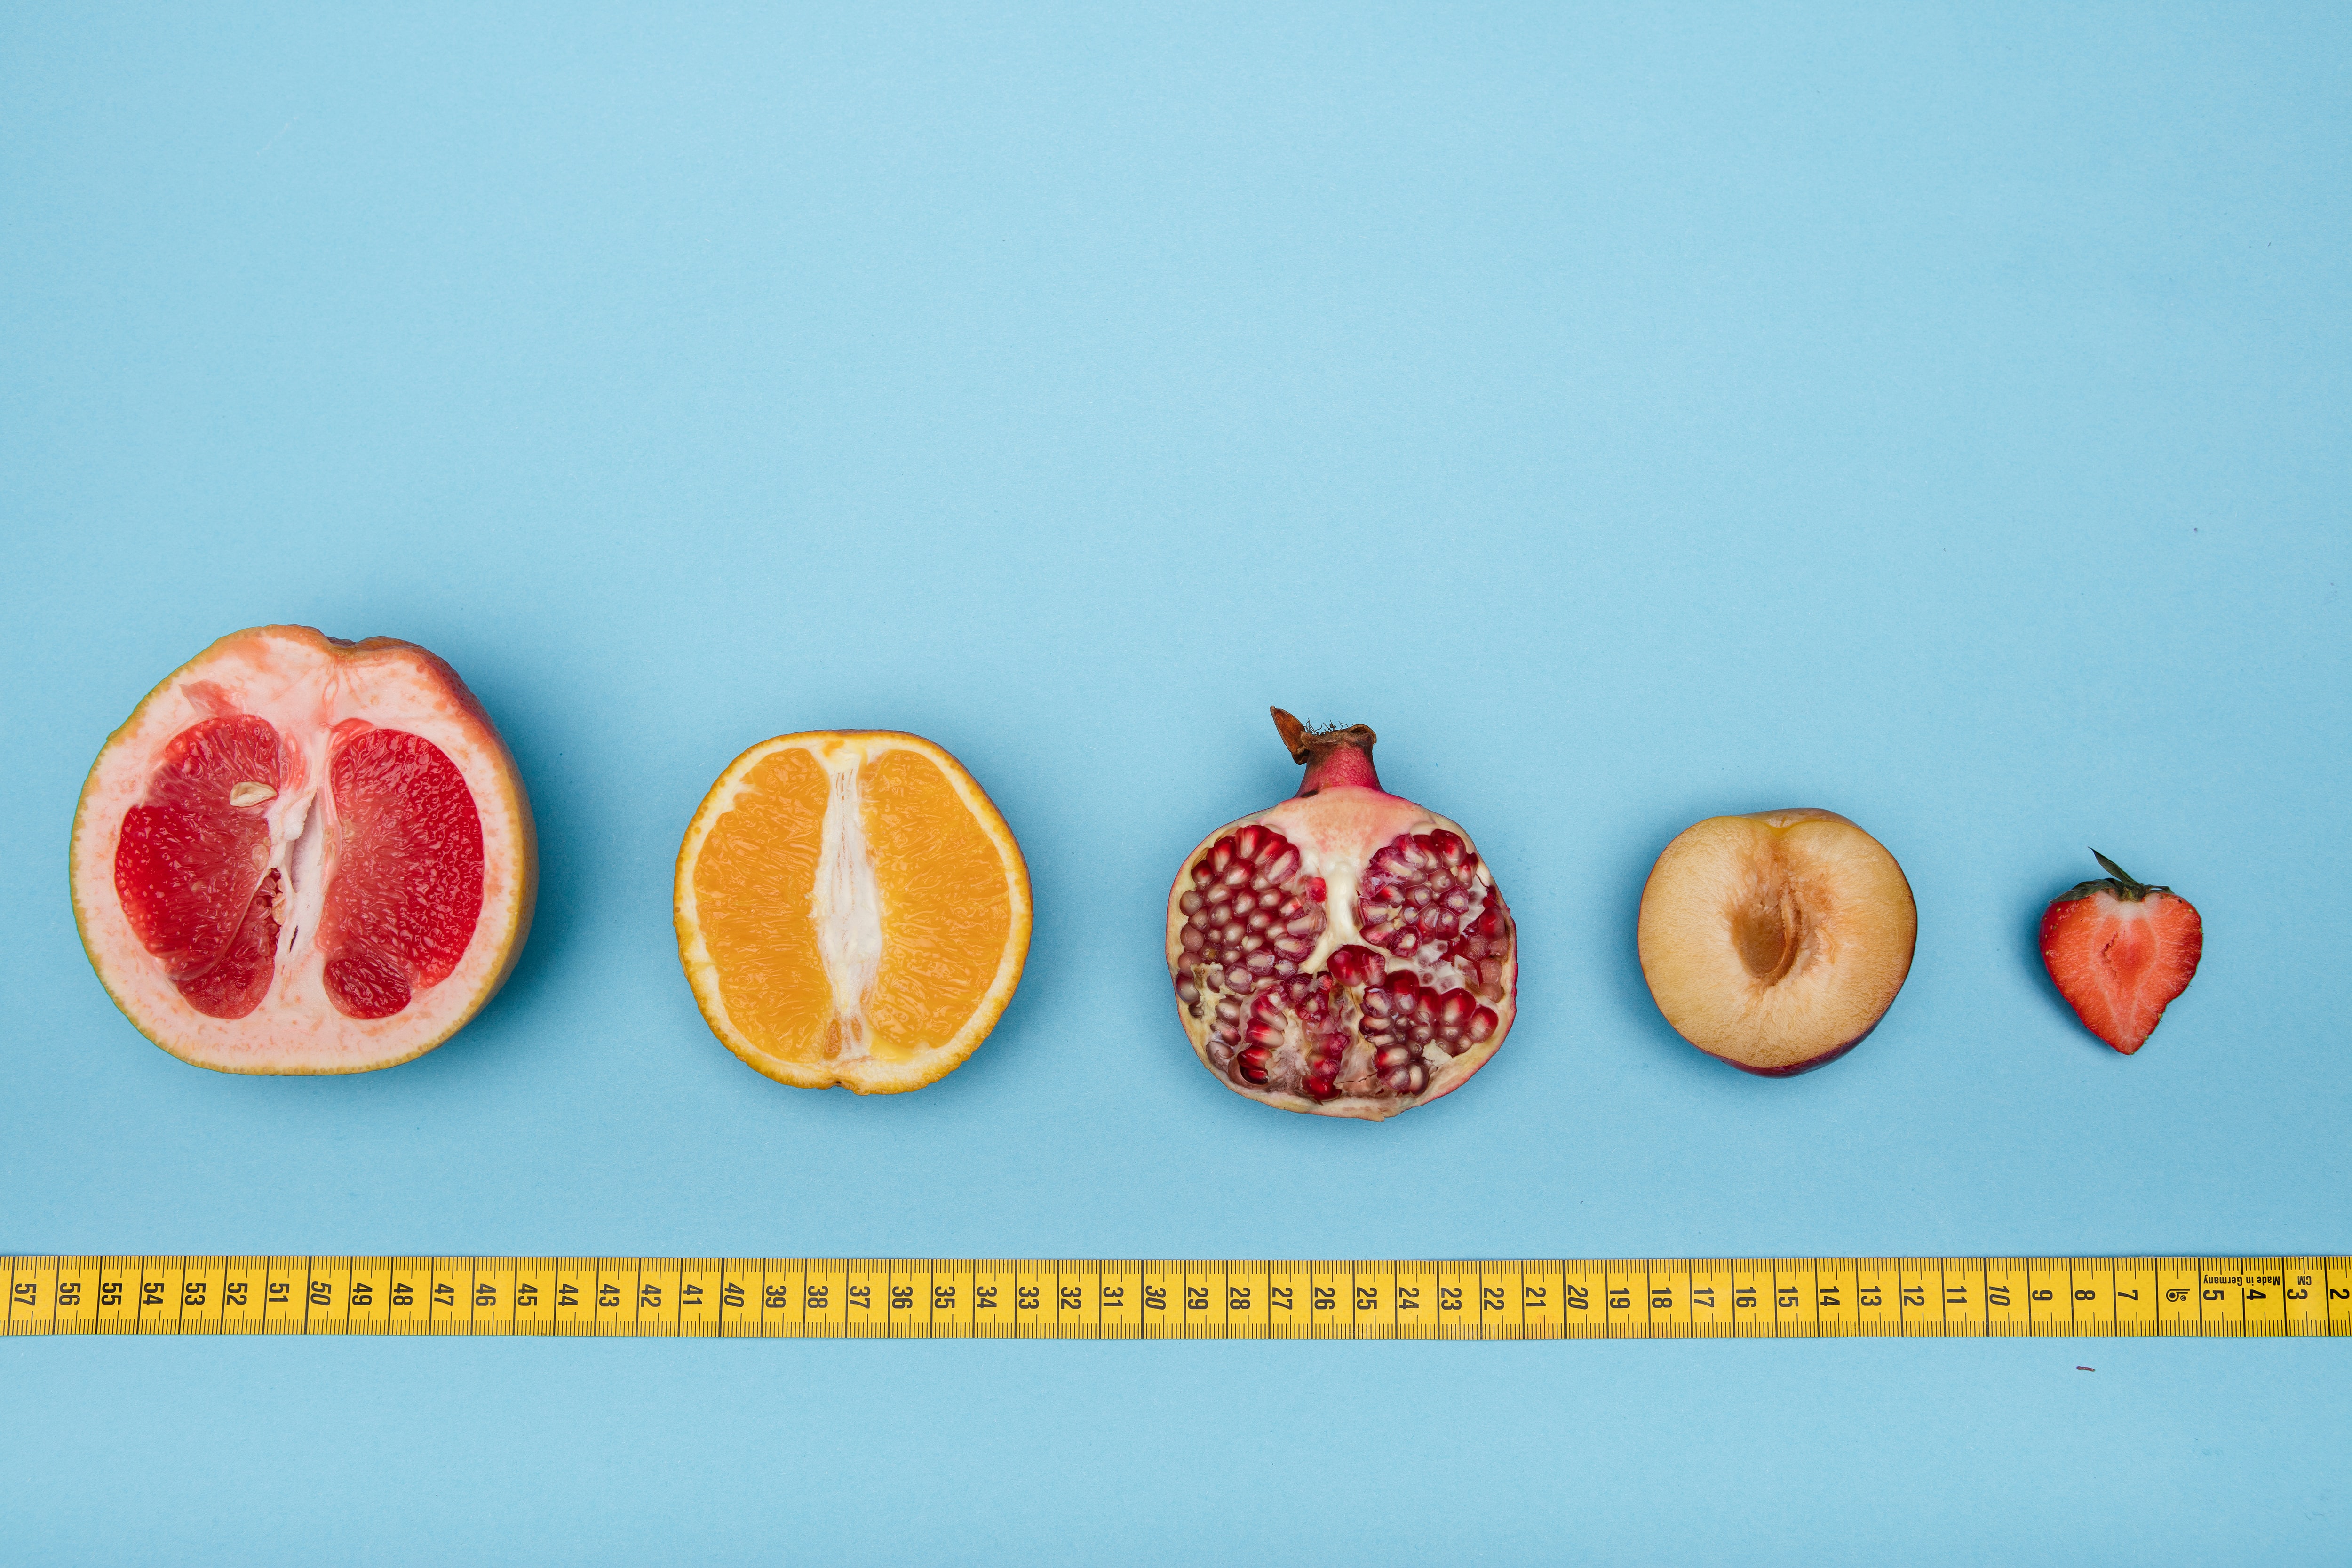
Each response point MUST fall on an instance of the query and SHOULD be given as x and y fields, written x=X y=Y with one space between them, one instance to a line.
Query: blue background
x=1636 y=415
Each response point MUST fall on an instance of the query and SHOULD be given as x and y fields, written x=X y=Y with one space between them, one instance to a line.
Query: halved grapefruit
x=301 y=854
x=850 y=909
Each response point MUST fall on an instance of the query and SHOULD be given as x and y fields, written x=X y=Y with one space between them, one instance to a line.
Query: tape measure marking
x=836 y=1297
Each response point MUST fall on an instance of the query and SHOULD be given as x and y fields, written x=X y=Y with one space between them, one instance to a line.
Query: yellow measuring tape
x=929 y=1298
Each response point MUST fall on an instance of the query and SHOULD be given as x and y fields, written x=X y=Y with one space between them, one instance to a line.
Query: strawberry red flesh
x=2119 y=952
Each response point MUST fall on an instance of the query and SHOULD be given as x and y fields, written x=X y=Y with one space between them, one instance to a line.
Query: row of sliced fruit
x=300 y=855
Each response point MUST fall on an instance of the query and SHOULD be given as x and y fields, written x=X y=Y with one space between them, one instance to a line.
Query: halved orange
x=850 y=909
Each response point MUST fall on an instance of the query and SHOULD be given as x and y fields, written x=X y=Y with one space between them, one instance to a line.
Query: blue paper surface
x=1634 y=414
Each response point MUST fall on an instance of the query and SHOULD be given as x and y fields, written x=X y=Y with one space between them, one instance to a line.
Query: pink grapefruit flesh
x=300 y=855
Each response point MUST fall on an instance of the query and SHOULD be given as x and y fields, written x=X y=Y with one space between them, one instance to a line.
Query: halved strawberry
x=2119 y=952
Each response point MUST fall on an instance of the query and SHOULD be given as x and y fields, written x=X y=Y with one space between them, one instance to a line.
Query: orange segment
x=946 y=900
x=754 y=877
x=850 y=909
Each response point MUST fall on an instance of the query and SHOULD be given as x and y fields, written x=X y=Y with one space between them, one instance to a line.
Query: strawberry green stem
x=2118 y=873
x=2122 y=885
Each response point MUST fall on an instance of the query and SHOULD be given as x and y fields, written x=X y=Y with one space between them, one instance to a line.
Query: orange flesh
x=945 y=909
x=754 y=878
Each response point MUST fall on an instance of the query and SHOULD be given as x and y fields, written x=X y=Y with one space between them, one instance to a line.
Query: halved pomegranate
x=1345 y=953
x=301 y=854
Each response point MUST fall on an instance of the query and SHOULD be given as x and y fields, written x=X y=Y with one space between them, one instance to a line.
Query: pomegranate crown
x=1341 y=754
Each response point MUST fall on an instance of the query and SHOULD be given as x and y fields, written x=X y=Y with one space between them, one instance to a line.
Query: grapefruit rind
x=867 y=1075
x=433 y=702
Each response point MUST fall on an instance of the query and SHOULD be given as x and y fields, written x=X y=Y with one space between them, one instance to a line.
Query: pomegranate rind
x=301 y=680
x=868 y=1074
x=1337 y=830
